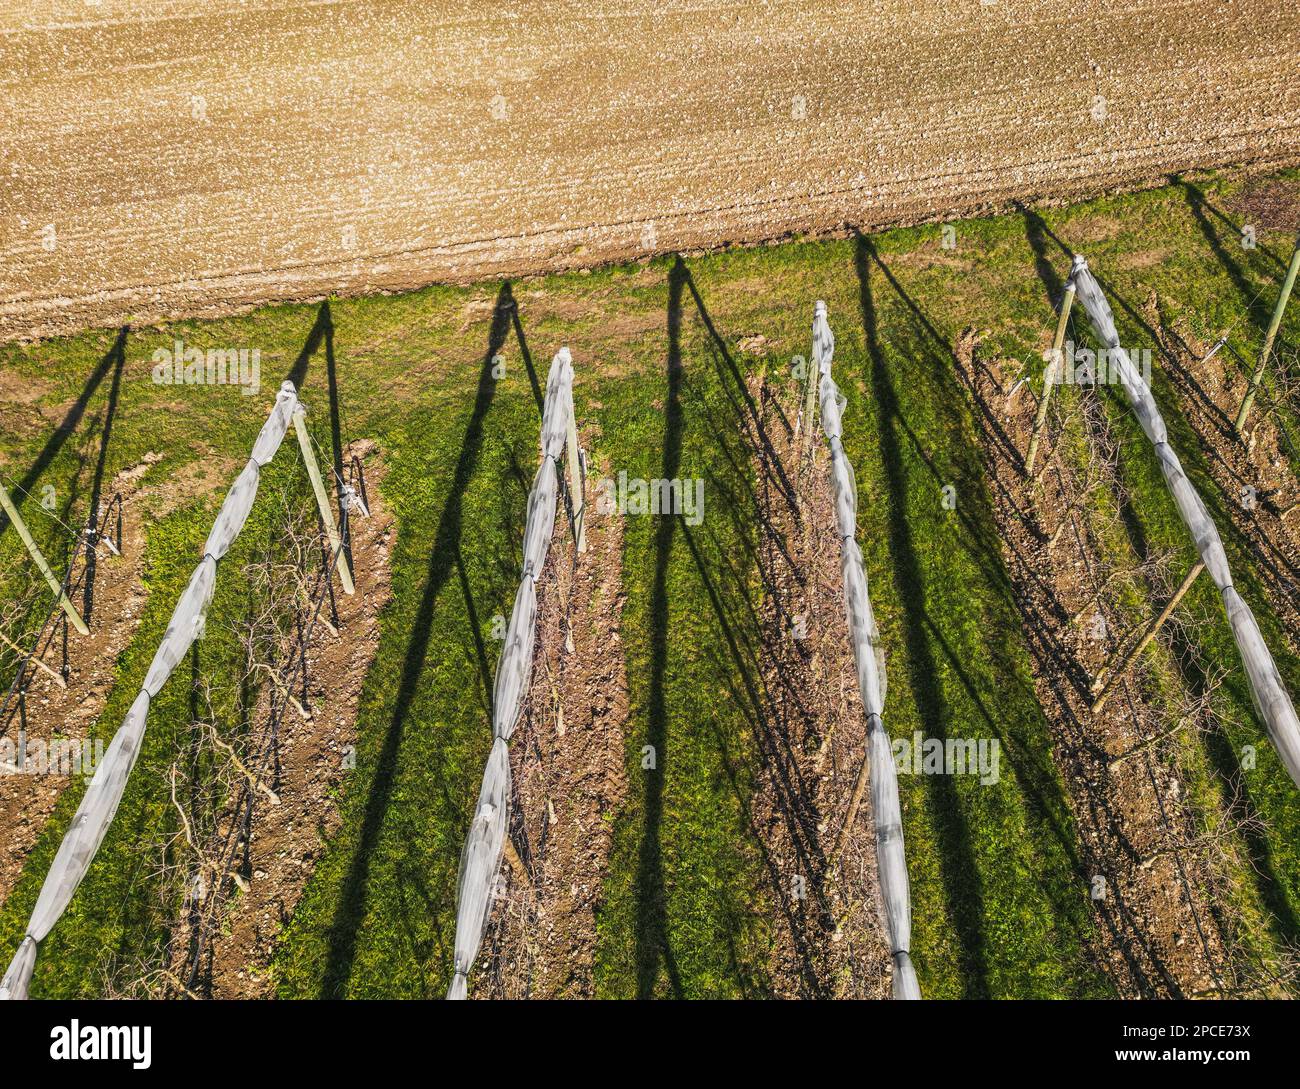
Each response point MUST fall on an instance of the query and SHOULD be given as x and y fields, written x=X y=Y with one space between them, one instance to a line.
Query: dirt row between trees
x=829 y=938
x=225 y=950
x=568 y=775
x=569 y=759
x=69 y=713
x=1255 y=474
x=1160 y=926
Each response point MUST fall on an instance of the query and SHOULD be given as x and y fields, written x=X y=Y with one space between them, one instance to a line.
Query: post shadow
x=350 y=911
x=1198 y=206
x=753 y=700
x=97 y=486
x=336 y=432
x=570 y=509
x=476 y=630
x=526 y=355
x=1207 y=210
x=1037 y=234
x=963 y=887
x=322 y=334
x=114 y=357
x=652 y=945
x=748 y=410
x=321 y=327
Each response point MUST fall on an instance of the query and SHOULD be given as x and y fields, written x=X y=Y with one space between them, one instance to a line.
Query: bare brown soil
x=1267 y=204
x=1160 y=929
x=827 y=938
x=201 y=156
x=568 y=775
x=1254 y=472
x=311 y=761
x=26 y=801
x=568 y=761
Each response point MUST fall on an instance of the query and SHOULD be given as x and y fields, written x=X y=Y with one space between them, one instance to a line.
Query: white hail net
x=487 y=831
x=95 y=814
x=1270 y=698
x=891 y=861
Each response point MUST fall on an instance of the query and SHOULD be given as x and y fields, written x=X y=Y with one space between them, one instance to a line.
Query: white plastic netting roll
x=891 y=860
x=481 y=857
x=99 y=805
x=1271 y=700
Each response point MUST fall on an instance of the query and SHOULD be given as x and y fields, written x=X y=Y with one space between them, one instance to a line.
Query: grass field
x=1000 y=907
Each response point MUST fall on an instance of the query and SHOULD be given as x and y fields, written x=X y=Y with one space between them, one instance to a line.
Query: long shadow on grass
x=350 y=912
x=336 y=431
x=62 y=552
x=526 y=356
x=1035 y=772
x=1207 y=210
x=1256 y=306
x=770 y=716
x=113 y=358
x=97 y=483
x=738 y=392
x=754 y=701
x=322 y=331
x=652 y=946
x=961 y=878
x=322 y=334
x=1036 y=234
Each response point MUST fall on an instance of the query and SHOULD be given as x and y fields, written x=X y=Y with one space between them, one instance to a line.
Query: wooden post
x=577 y=481
x=859 y=789
x=1269 y=337
x=1107 y=678
x=322 y=500
x=1049 y=377
x=54 y=675
x=814 y=377
x=23 y=532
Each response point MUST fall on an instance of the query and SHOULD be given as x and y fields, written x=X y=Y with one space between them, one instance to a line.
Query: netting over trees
x=1266 y=690
x=95 y=814
x=891 y=861
x=481 y=857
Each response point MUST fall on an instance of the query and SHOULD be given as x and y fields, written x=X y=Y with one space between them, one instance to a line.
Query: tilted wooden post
x=1111 y=674
x=1269 y=337
x=577 y=481
x=322 y=500
x=1049 y=376
x=810 y=402
x=23 y=532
